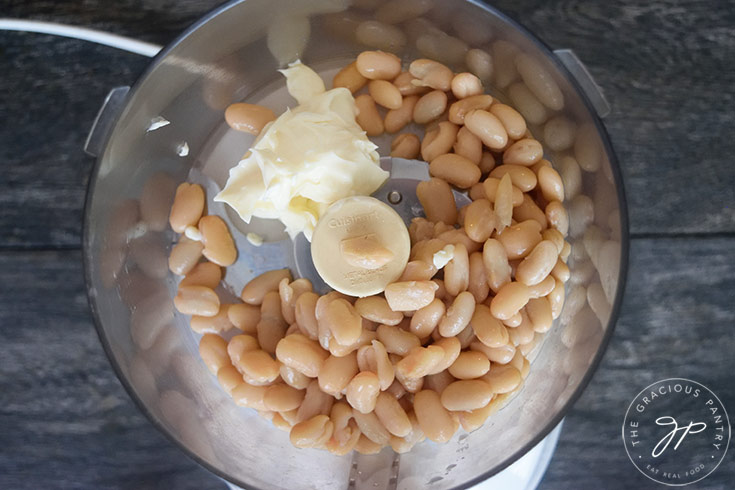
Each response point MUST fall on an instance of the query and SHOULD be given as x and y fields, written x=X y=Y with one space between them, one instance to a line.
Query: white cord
x=99 y=37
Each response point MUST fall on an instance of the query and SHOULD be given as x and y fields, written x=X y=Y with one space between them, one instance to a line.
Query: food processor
x=169 y=128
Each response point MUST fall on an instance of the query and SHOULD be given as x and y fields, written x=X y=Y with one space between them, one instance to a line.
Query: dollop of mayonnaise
x=311 y=156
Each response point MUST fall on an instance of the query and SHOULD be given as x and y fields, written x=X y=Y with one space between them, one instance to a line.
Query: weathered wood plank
x=677 y=321
x=66 y=422
x=664 y=66
x=64 y=411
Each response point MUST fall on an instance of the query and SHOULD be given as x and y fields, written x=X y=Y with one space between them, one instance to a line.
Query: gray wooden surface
x=666 y=67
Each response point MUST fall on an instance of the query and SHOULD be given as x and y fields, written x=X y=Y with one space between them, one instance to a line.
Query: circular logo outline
x=724 y=411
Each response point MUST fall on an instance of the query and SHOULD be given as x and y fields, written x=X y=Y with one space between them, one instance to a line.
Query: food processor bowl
x=169 y=128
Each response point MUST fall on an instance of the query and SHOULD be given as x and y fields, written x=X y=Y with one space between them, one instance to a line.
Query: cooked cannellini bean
x=197 y=300
x=490 y=187
x=527 y=104
x=350 y=78
x=522 y=177
x=311 y=432
x=480 y=63
x=524 y=152
x=538 y=264
x=256 y=289
x=437 y=199
x=203 y=274
x=465 y=85
x=282 y=398
x=405 y=86
x=410 y=295
x=502 y=379
x=294 y=378
x=250 y=118
x=378 y=65
x=362 y=392
x=458 y=315
x=440 y=46
x=497 y=267
x=316 y=402
x=342 y=321
x=499 y=355
x=561 y=271
x=336 y=373
x=512 y=120
x=452 y=347
x=305 y=314
x=376 y=309
x=480 y=220
x=551 y=184
x=381 y=36
x=302 y=354
x=392 y=415
x=518 y=240
x=219 y=247
x=246 y=395
x=459 y=110
x=184 y=256
x=385 y=94
x=439 y=141
x=213 y=351
x=559 y=133
x=540 y=82
x=398 y=117
x=488 y=329
x=465 y=395
x=425 y=320
x=259 y=366
x=587 y=148
x=455 y=169
x=487 y=127
x=429 y=107
x=396 y=340
x=368 y=117
x=187 y=207
x=470 y=365
x=468 y=145
x=478 y=283
x=218 y=323
x=435 y=421
x=419 y=362
x=539 y=313
x=366 y=446
x=556 y=299
x=504 y=54
x=406 y=145
x=503 y=206
x=509 y=300
x=430 y=73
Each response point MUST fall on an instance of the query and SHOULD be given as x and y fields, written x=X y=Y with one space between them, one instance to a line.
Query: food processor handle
x=583 y=77
x=105 y=120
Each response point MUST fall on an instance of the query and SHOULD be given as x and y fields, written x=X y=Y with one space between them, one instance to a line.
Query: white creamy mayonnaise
x=311 y=156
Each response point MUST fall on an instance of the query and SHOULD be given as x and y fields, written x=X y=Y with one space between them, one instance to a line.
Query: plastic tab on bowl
x=580 y=73
x=103 y=122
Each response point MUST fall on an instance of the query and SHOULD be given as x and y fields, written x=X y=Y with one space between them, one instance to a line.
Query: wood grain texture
x=64 y=410
x=664 y=67
x=65 y=421
x=677 y=321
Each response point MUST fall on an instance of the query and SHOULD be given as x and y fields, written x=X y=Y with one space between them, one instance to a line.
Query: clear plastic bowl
x=228 y=56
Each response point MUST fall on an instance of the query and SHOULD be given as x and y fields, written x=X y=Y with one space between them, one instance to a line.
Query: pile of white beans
x=445 y=346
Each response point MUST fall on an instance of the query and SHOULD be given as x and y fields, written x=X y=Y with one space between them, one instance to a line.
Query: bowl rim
x=591 y=369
